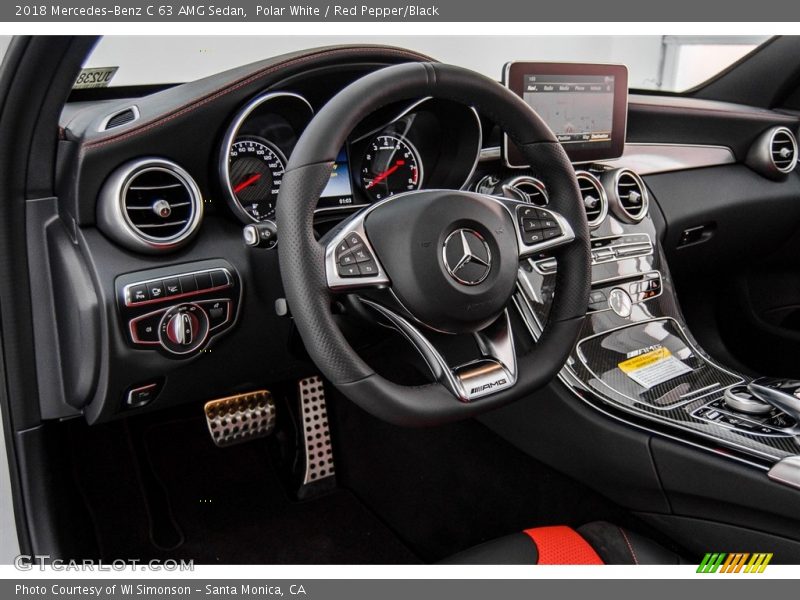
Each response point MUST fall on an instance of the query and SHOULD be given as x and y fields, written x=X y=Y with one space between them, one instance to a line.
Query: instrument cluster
x=427 y=144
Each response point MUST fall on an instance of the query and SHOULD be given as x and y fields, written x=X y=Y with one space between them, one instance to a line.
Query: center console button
x=620 y=302
x=740 y=399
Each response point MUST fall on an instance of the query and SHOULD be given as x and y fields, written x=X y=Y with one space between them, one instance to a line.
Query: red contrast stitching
x=239 y=84
x=630 y=547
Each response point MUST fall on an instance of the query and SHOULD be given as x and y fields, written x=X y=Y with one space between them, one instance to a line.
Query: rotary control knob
x=184 y=328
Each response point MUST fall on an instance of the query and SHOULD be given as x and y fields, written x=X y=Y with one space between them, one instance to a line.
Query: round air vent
x=525 y=188
x=627 y=194
x=595 y=201
x=774 y=153
x=150 y=205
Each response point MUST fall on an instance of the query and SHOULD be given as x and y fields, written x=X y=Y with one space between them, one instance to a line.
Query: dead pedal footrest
x=319 y=463
x=240 y=418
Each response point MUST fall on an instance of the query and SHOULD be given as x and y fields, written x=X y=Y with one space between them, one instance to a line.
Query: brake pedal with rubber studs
x=240 y=418
x=319 y=469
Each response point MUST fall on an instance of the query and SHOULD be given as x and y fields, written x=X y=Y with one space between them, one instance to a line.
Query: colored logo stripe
x=734 y=562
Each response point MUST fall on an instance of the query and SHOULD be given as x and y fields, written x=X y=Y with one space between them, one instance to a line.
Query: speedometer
x=255 y=168
x=391 y=165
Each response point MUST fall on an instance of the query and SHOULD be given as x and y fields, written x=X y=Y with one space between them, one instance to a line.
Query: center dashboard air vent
x=627 y=194
x=595 y=201
x=774 y=153
x=150 y=205
x=526 y=188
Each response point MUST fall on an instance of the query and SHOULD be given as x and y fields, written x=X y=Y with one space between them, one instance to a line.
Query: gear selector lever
x=783 y=394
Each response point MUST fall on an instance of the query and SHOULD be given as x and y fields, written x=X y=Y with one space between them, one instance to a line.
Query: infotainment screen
x=584 y=104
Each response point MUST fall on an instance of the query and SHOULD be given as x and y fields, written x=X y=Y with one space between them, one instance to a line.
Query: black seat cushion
x=594 y=543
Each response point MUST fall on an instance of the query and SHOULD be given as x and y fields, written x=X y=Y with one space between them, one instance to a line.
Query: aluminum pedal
x=319 y=463
x=240 y=418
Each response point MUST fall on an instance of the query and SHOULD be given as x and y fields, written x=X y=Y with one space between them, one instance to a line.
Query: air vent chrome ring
x=525 y=188
x=598 y=211
x=774 y=153
x=173 y=204
x=628 y=197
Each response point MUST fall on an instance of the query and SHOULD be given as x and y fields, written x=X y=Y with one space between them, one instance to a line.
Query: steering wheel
x=440 y=260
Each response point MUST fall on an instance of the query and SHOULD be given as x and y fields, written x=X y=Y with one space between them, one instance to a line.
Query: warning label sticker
x=653 y=367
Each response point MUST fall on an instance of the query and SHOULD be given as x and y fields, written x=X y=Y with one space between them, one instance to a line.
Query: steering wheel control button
x=533 y=237
x=368 y=269
x=537 y=225
x=351 y=270
x=620 y=302
x=467 y=257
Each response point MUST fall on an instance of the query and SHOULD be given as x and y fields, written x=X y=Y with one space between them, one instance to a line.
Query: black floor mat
x=231 y=508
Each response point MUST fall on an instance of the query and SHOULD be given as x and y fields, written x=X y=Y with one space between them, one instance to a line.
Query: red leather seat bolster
x=560 y=545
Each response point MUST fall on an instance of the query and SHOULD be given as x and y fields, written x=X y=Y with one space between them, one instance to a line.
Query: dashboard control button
x=368 y=269
x=183 y=329
x=218 y=311
x=597 y=297
x=348 y=270
x=172 y=287
x=203 y=281
x=188 y=284
x=138 y=293
x=144 y=329
x=156 y=290
x=219 y=278
x=141 y=395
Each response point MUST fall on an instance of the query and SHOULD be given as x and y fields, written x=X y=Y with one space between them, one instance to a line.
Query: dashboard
x=166 y=223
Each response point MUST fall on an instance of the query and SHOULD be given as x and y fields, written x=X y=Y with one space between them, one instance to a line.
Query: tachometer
x=255 y=168
x=391 y=165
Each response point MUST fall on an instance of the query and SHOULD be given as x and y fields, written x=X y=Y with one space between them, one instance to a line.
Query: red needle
x=386 y=173
x=247 y=183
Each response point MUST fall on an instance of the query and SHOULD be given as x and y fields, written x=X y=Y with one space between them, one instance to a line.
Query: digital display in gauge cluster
x=339 y=191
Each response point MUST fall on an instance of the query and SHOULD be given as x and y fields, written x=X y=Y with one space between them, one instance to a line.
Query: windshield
x=668 y=63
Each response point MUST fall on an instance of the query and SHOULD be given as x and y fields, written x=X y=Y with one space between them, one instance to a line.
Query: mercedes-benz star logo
x=466 y=256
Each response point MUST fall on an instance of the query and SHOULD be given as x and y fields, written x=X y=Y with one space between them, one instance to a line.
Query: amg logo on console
x=488 y=386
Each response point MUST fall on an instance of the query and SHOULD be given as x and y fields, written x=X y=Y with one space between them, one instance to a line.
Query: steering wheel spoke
x=494 y=371
x=350 y=260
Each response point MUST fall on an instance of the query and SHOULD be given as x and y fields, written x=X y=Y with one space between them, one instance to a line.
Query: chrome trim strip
x=786 y=471
x=651 y=158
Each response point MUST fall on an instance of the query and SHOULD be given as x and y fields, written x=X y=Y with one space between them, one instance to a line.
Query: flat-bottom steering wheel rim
x=302 y=257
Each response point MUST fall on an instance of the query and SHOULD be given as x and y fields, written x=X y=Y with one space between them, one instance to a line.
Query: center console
x=636 y=356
